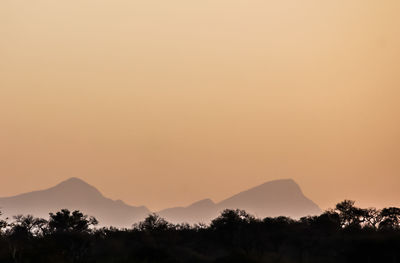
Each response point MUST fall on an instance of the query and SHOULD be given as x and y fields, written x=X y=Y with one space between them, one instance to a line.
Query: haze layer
x=165 y=102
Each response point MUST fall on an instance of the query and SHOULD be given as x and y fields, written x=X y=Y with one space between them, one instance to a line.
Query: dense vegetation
x=344 y=234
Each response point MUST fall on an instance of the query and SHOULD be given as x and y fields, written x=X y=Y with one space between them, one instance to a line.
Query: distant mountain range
x=73 y=194
x=275 y=198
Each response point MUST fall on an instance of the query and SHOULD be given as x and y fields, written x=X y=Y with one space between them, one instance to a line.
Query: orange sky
x=163 y=103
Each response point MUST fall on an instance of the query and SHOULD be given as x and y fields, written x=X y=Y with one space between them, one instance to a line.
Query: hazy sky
x=163 y=103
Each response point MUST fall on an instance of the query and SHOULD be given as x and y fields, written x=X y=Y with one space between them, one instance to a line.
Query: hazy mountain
x=275 y=198
x=281 y=197
x=201 y=211
x=74 y=194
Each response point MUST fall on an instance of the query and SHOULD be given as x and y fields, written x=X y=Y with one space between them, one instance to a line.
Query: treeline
x=344 y=234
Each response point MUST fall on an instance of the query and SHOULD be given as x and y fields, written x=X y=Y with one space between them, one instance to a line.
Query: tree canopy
x=346 y=233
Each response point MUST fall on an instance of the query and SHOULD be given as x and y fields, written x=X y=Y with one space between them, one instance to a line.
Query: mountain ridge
x=262 y=201
x=272 y=198
x=74 y=194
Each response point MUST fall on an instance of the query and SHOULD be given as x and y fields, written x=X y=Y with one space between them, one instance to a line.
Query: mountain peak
x=77 y=187
x=73 y=194
x=282 y=181
x=282 y=184
x=287 y=187
x=73 y=181
x=273 y=198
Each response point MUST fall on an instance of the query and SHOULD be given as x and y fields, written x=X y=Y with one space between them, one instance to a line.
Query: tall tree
x=65 y=221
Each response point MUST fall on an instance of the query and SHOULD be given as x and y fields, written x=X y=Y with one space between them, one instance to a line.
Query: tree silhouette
x=153 y=222
x=231 y=218
x=347 y=234
x=3 y=224
x=390 y=218
x=29 y=225
x=373 y=217
x=350 y=216
x=65 y=221
x=71 y=232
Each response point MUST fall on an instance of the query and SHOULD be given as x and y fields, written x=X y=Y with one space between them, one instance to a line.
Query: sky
x=163 y=103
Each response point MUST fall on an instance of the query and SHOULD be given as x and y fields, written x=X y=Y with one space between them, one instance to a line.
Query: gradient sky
x=163 y=103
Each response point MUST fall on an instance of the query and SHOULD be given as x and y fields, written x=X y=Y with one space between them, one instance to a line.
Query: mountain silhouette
x=74 y=194
x=275 y=198
x=202 y=211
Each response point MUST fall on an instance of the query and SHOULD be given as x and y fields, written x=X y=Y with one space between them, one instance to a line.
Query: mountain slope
x=275 y=198
x=202 y=211
x=74 y=194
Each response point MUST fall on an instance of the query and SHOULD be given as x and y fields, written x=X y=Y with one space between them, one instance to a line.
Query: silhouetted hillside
x=201 y=211
x=74 y=194
x=275 y=198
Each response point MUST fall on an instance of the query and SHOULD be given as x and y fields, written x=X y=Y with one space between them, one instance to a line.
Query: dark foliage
x=345 y=234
